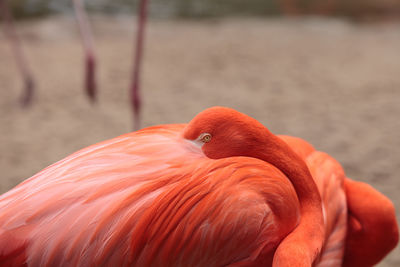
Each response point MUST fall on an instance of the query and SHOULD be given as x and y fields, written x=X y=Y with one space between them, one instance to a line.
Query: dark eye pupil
x=206 y=138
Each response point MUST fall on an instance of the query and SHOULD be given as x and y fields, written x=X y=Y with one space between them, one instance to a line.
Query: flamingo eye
x=205 y=137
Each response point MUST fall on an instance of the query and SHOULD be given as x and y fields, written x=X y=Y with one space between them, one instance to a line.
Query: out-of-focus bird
x=219 y=191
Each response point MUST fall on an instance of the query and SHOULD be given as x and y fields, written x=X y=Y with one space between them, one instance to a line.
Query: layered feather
x=149 y=198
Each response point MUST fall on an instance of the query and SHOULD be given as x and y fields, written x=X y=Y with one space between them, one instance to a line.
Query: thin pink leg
x=88 y=46
x=135 y=85
x=22 y=64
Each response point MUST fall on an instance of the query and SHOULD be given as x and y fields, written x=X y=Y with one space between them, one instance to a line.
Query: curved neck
x=287 y=161
x=308 y=236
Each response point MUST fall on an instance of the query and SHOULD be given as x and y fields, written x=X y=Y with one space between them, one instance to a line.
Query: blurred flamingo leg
x=135 y=85
x=22 y=64
x=88 y=46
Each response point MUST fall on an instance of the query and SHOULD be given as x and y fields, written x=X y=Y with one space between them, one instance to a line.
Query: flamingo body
x=121 y=202
x=154 y=198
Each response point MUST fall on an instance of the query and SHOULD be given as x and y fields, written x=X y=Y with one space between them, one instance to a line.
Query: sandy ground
x=334 y=83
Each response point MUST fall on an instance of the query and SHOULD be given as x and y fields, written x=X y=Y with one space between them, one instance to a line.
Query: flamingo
x=221 y=190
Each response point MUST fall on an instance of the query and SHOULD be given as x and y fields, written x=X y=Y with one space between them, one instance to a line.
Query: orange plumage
x=157 y=197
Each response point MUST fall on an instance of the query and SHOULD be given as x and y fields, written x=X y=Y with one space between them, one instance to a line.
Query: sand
x=331 y=82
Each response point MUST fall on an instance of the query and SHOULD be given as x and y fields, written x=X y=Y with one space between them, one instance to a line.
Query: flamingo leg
x=88 y=45
x=372 y=225
x=22 y=64
x=135 y=85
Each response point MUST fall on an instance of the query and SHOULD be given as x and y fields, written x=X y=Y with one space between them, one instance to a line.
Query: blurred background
x=326 y=71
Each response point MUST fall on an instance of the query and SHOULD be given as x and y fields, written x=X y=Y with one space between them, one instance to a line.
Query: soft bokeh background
x=328 y=73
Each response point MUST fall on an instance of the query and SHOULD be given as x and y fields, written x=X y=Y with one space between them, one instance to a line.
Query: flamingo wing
x=149 y=198
x=12 y=248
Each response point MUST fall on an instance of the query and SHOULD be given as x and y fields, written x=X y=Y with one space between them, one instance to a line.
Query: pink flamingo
x=219 y=191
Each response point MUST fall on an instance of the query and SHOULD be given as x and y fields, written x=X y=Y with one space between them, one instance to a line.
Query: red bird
x=219 y=191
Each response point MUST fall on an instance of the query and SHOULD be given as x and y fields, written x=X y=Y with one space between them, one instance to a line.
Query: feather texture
x=120 y=202
x=155 y=198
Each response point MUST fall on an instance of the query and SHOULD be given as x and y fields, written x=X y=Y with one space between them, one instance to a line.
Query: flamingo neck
x=279 y=154
x=305 y=242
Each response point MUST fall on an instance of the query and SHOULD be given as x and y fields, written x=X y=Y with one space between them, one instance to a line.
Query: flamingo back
x=148 y=198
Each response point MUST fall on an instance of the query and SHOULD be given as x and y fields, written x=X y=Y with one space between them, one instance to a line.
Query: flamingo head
x=224 y=132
